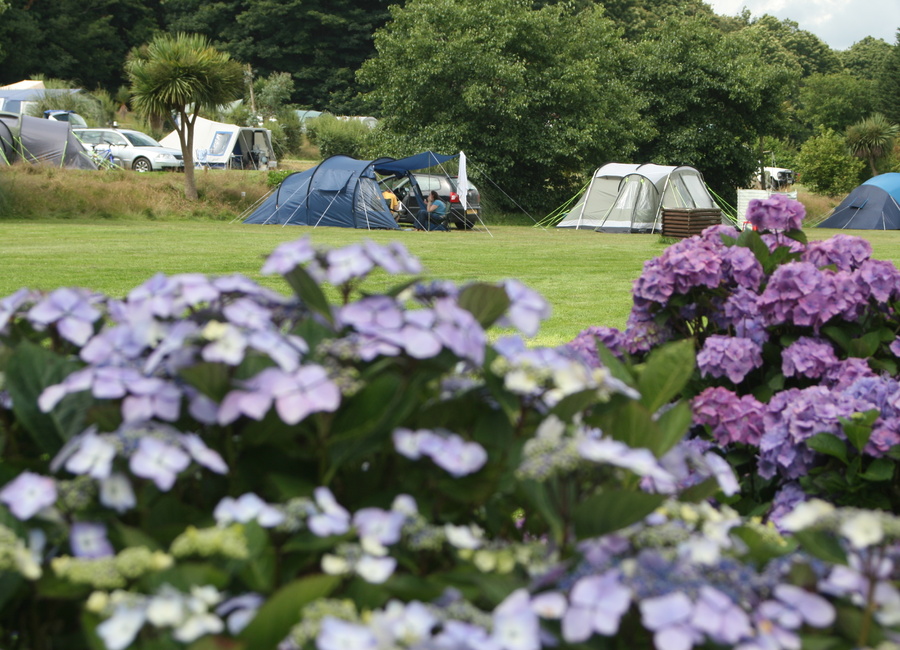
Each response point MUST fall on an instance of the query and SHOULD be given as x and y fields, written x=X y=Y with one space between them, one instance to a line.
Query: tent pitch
x=874 y=205
x=630 y=198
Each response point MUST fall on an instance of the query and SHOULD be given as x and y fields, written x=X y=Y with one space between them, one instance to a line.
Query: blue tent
x=874 y=205
x=340 y=191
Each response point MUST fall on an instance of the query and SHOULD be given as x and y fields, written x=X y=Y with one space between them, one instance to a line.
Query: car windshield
x=140 y=140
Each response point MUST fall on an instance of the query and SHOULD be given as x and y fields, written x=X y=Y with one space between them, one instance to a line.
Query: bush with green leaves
x=826 y=166
x=208 y=463
x=336 y=136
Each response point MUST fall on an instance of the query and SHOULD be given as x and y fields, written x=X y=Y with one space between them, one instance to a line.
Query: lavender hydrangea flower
x=116 y=493
x=515 y=625
x=879 y=279
x=808 y=357
x=719 y=617
x=526 y=310
x=246 y=508
x=729 y=356
x=89 y=540
x=669 y=618
x=732 y=419
x=345 y=264
x=158 y=461
x=335 y=634
x=10 y=305
x=844 y=252
x=286 y=257
x=448 y=450
x=778 y=213
x=585 y=344
x=28 y=494
x=597 y=604
x=331 y=518
x=71 y=310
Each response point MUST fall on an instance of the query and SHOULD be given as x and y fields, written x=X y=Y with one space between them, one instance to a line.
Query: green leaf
x=761 y=549
x=865 y=346
x=858 y=428
x=486 y=302
x=838 y=335
x=673 y=425
x=211 y=379
x=616 y=368
x=822 y=545
x=665 y=373
x=608 y=512
x=830 y=444
x=881 y=469
x=29 y=371
x=281 y=612
x=631 y=423
x=309 y=291
x=538 y=496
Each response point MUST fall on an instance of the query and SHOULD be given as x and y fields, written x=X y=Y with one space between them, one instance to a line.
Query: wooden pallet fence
x=685 y=222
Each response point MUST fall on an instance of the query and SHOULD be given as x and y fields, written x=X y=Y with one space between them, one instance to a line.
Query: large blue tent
x=340 y=191
x=874 y=205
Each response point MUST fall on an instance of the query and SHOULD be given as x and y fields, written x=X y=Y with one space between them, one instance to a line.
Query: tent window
x=698 y=192
x=332 y=180
x=219 y=143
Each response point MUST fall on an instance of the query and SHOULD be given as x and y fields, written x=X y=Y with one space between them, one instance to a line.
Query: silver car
x=131 y=149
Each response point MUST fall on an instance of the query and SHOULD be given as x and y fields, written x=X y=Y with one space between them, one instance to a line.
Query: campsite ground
x=109 y=232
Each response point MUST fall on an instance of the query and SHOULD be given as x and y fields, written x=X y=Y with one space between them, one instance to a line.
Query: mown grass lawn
x=586 y=276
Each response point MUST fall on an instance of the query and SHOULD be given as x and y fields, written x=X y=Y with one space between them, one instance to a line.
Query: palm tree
x=871 y=138
x=181 y=75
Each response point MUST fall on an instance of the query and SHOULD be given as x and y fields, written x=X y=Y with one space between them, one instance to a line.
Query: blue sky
x=840 y=23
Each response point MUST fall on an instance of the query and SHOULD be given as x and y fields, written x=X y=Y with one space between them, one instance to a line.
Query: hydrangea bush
x=206 y=463
x=797 y=352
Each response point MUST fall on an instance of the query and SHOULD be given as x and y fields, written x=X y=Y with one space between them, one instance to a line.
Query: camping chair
x=201 y=159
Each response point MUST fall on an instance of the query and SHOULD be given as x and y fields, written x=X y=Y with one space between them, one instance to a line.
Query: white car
x=131 y=149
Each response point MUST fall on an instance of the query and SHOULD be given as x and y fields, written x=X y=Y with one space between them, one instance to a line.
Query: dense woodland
x=538 y=93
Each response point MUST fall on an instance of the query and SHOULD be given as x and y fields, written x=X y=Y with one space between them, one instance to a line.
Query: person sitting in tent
x=434 y=215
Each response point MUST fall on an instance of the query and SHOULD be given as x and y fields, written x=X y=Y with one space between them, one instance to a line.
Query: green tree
x=888 y=87
x=273 y=93
x=811 y=53
x=872 y=139
x=826 y=166
x=865 y=58
x=711 y=97
x=82 y=41
x=535 y=97
x=835 y=100
x=181 y=75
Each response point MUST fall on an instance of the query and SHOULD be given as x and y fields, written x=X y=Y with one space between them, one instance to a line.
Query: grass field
x=110 y=232
x=586 y=276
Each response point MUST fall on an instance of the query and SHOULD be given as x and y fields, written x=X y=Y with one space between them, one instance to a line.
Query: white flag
x=462 y=182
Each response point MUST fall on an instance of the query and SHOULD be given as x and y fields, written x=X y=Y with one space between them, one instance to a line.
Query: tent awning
x=412 y=163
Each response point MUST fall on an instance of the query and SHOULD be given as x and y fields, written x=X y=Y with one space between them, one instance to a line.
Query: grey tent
x=874 y=205
x=38 y=141
x=631 y=198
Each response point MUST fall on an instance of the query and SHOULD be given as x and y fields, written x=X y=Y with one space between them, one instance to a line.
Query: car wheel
x=142 y=165
x=464 y=223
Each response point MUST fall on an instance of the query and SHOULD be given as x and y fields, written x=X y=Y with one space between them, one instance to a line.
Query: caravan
x=227 y=146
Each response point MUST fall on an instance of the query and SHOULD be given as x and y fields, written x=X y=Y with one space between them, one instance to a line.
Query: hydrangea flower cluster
x=795 y=340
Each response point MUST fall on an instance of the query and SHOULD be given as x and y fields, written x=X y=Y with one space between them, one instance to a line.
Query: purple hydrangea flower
x=741 y=265
x=808 y=357
x=526 y=310
x=28 y=494
x=335 y=634
x=11 y=304
x=331 y=518
x=729 y=356
x=246 y=508
x=393 y=258
x=71 y=310
x=597 y=604
x=719 y=617
x=844 y=252
x=786 y=499
x=741 y=312
x=879 y=279
x=89 y=540
x=295 y=395
x=885 y=435
x=158 y=461
x=286 y=257
x=669 y=618
x=585 y=344
x=778 y=213
x=448 y=450
x=345 y=264
x=382 y=526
